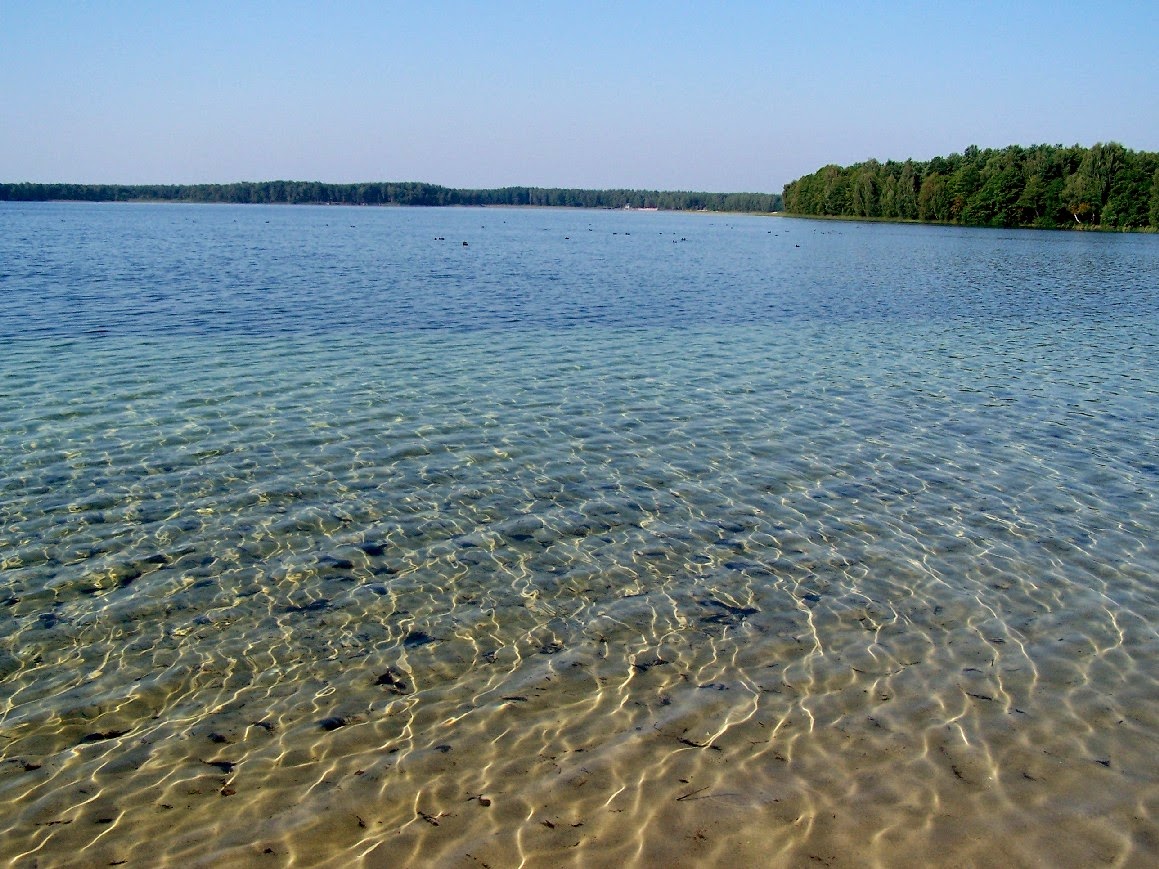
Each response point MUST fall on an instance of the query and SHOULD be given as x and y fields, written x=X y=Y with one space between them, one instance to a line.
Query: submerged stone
x=101 y=736
x=312 y=607
x=417 y=638
x=393 y=680
x=729 y=616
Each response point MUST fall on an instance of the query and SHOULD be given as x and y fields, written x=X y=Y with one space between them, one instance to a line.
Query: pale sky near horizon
x=725 y=96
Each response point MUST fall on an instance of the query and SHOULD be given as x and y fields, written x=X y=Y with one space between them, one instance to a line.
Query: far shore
x=491 y=207
x=408 y=193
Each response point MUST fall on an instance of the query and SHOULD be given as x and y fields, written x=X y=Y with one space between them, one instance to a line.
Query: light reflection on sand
x=597 y=605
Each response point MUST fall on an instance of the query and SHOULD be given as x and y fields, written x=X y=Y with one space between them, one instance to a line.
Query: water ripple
x=718 y=594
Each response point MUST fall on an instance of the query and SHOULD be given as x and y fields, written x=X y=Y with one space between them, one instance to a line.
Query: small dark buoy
x=465 y=244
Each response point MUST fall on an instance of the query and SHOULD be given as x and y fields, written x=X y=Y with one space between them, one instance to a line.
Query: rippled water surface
x=515 y=537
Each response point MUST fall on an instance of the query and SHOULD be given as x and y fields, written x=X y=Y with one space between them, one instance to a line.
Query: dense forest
x=1047 y=186
x=400 y=193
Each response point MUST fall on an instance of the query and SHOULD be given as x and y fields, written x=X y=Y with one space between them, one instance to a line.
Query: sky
x=718 y=96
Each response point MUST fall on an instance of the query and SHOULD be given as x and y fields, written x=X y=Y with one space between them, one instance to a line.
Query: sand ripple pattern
x=768 y=594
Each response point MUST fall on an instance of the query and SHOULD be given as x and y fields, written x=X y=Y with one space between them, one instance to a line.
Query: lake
x=497 y=537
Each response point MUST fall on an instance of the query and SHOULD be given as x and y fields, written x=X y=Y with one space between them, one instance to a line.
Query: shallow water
x=602 y=539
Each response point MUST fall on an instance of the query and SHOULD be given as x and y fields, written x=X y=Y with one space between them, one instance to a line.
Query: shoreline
x=409 y=193
x=848 y=218
x=148 y=201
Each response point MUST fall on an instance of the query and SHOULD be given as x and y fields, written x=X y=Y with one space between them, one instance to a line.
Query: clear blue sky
x=705 y=96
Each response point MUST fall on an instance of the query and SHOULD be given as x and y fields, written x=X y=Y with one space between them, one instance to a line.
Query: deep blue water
x=72 y=269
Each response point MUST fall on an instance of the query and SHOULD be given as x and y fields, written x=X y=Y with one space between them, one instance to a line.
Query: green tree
x=1080 y=197
x=907 y=191
x=1155 y=200
x=934 y=198
x=863 y=193
x=1030 y=206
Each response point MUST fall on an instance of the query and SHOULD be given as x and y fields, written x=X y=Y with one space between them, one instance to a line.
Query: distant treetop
x=1047 y=186
x=390 y=193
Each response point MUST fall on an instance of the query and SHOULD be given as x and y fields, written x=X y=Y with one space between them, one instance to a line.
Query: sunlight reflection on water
x=862 y=570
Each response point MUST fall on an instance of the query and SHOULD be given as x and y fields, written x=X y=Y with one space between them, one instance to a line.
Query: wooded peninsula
x=1046 y=186
x=391 y=193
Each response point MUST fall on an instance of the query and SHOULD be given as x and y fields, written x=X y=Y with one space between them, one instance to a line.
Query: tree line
x=390 y=193
x=1047 y=186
